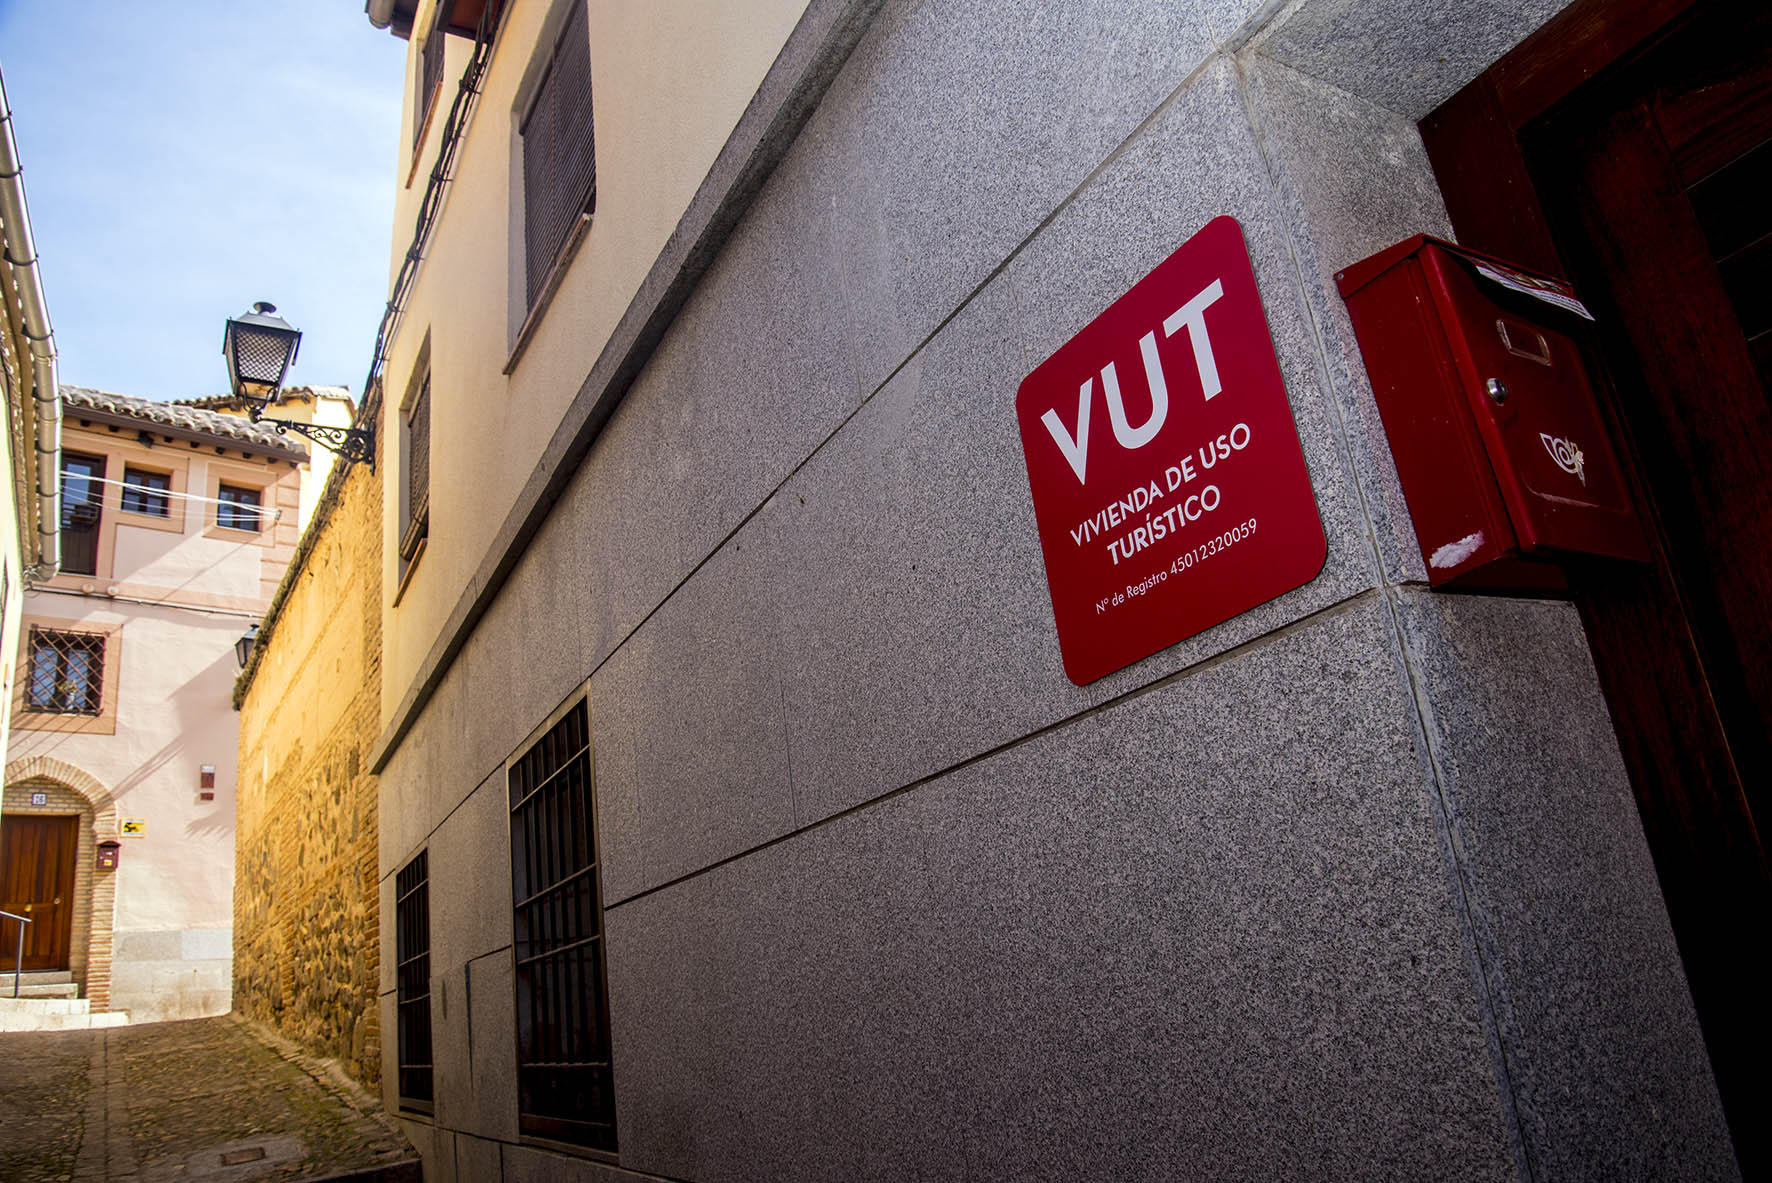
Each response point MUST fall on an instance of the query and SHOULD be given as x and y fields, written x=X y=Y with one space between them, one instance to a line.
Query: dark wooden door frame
x=1688 y=779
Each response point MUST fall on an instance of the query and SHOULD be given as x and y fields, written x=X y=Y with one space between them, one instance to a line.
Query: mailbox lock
x=1497 y=390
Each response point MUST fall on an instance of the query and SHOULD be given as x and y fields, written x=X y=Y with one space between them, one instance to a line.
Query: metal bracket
x=356 y=444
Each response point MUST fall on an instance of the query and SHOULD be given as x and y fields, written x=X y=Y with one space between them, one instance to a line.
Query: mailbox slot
x=1503 y=456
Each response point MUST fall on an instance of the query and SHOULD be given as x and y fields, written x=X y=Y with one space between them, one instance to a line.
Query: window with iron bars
x=412 y=974
x=559 y=155
x=564 y=1081
x=66 y=675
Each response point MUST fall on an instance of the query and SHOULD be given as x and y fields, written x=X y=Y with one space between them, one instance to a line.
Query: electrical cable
x=275 y=513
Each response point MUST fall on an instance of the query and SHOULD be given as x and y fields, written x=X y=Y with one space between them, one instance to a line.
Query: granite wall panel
x=1604 y=1055
x=888 y=896
x=1232 y=882
x=946 y=648
x=1408 y=58
x=469 y=862
x=691 y=709
x=1350 y=178
x=962 y=126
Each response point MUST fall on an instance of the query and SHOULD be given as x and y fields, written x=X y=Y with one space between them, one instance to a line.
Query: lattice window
x=240 y=508
x=559 y=154
x=146 y=492
x=564 y=1083
x=418 y=473
x=66 y=674
x=82 y=496
x=412 y=974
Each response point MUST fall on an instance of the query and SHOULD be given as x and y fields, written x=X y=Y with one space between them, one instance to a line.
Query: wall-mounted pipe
x=21 y=254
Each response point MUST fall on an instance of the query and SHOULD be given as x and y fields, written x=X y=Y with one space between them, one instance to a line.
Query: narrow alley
x=208 y=1099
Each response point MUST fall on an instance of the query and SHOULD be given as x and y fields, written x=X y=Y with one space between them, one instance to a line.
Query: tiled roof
x=184 y=417
x=228 y=401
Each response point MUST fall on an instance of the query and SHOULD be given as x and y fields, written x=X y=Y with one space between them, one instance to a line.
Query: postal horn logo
x=1566 y=454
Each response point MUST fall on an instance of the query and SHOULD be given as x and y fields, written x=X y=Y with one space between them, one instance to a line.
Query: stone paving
x=211 y=1099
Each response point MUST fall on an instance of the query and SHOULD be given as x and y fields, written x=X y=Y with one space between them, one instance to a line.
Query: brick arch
x=104 y=809
x=95 y=891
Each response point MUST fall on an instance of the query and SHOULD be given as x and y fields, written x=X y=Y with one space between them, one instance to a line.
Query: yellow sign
x=135 y=827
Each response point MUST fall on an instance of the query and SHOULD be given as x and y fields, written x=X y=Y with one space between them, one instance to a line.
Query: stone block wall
x=305 y=903
x=1347 y=886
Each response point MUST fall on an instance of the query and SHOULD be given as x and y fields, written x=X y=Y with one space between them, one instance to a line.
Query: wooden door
x=37 y=880
x=1628 y=146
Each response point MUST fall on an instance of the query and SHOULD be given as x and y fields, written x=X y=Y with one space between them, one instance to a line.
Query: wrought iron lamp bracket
x=353 y=443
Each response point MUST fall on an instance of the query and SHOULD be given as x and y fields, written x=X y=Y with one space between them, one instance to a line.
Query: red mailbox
x=107 y=854
x=1497 y=439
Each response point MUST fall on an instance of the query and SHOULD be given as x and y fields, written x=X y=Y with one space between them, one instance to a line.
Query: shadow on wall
x=199 y=576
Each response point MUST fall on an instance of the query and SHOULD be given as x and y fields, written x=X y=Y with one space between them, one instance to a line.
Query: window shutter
x=430 y=79
x=418 y=472
x=559 y=154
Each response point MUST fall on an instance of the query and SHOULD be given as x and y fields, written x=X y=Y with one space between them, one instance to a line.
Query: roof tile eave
x=181 y=416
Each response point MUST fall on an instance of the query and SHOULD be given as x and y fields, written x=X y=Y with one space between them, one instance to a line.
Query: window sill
x=152 y=521
x=406 y=576
x=66 y=724
x=81 y=583
x=424 y=131
x=539 y=309
x=231 y=534
x=610 y=1157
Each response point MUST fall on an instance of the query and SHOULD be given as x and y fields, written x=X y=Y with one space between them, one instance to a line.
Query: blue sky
x=184 y=158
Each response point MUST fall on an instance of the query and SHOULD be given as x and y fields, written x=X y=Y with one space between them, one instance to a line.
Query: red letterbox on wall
x=1498 y=442
x=107 y=854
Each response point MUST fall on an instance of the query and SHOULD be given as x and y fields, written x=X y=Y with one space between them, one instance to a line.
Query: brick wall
x=306 y=908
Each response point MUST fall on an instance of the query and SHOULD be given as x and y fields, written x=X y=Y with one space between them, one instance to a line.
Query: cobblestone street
x=210 y=1099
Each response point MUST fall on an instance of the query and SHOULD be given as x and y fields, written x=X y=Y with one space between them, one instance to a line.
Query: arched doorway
x=55 y=816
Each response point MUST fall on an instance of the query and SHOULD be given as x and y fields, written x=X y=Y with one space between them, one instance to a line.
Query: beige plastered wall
x=174 y=887
x=172 y=597
x=669 y=83
x=185 y=558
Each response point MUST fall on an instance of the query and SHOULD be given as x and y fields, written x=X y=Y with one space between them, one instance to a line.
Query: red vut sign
x=1167 y=478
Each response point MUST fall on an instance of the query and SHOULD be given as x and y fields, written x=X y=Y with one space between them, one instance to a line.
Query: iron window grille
x=559 y=155
x=564 y=1080
x=82 y=498
x=240 y=507
x=146 y=492
x=67 y=673
x=412 y=973
x=418 y=474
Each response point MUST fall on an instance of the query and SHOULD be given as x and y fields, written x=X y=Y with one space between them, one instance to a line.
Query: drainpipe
x=381 y=12
x=21 y=253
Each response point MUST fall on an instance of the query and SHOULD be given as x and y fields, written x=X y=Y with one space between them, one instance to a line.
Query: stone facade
x=1350 y=885
x=305 y=902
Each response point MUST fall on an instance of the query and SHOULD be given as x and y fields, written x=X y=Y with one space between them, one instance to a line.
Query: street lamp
x=259 y=347
x=243 y=647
